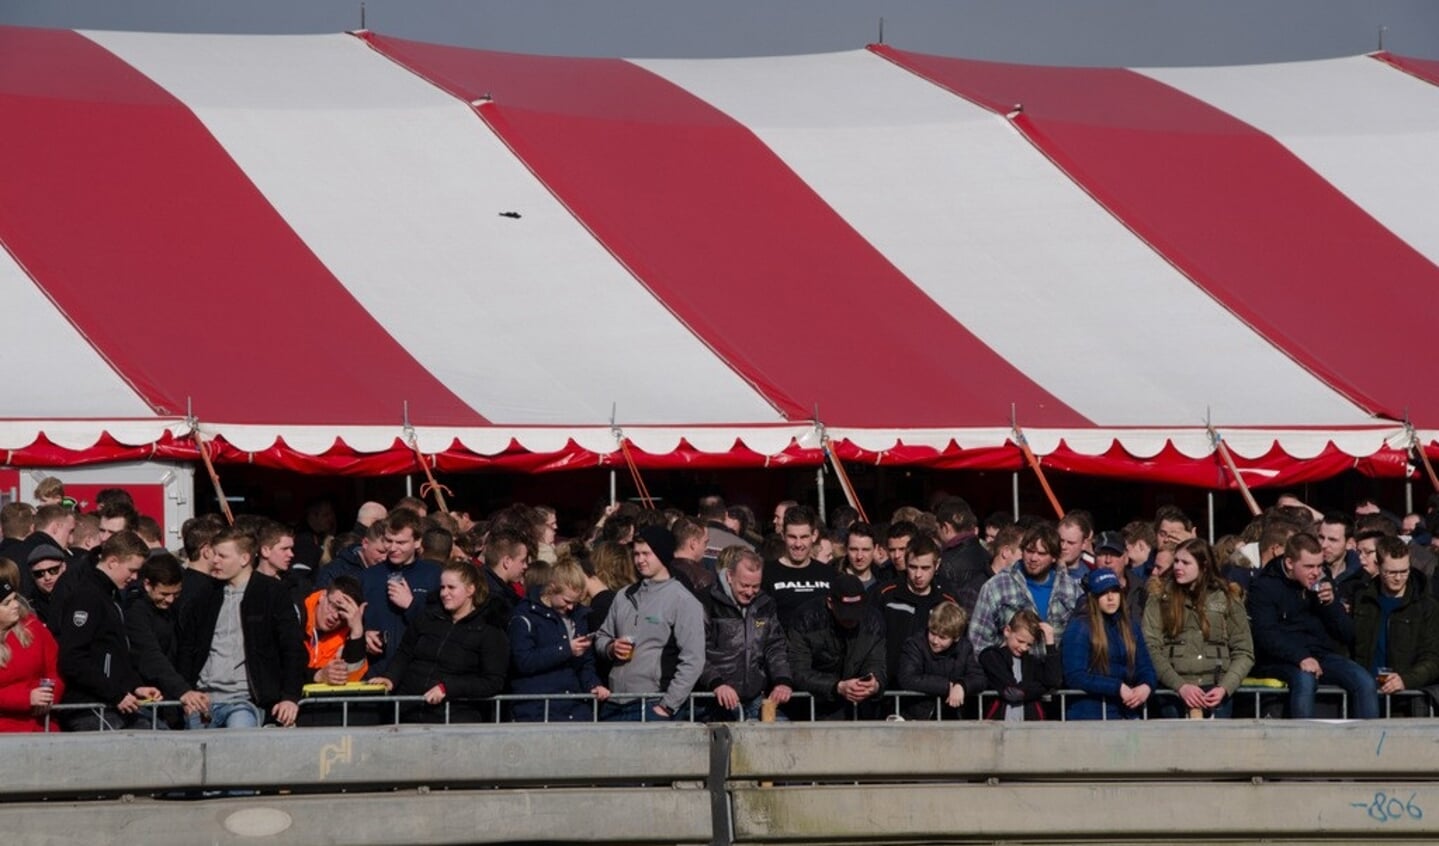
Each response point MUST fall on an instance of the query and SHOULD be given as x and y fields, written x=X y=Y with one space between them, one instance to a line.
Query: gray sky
x=1081 y=32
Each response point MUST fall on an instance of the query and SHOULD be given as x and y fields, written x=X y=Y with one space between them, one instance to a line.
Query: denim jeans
x=715 y=713
x=109 y=719
x=635 y=710
x=228 y=713
x=1174 y=708
x=1359 y=682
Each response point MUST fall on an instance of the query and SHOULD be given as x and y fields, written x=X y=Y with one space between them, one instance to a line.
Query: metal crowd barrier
x=892 y=706
x=691 y=711
x=99 y=709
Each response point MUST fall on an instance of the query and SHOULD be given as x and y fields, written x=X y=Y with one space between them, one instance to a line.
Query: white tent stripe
x=1009 y=246
x=70 y=379
x=401 y=191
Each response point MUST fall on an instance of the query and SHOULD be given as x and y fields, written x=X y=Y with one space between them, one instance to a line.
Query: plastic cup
x=624 y=648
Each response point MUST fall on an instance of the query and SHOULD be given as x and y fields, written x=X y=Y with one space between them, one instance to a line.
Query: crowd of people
x=646 y=608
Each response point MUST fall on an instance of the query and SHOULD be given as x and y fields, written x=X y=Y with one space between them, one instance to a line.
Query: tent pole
x=819 y=487
x=612 y=486
x=1408 y=496
x=1014 y=486
x=1211 y=516
x=409 y=485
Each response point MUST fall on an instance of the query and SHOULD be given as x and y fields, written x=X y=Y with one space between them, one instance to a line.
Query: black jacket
x=1413 y=636
x=275 y=659
x=194 y=584
x=904 y=614
x=964 y=568
x=822 y=654
x=346 y=562
x=499 y=607
x=94 y=651
x=1042 y=674
x=920 y=669
x=745 y=648
x=1289 y=623
x=154 y=647
x=20 y=554
x=469 y=657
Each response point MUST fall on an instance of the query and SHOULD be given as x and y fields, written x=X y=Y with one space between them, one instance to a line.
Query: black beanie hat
x=661 y=541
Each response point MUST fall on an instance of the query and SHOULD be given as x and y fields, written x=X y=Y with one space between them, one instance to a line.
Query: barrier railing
x=148 y=710
x=697 y=709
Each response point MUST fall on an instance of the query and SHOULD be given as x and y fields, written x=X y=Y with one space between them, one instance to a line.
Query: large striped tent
x=314 y=251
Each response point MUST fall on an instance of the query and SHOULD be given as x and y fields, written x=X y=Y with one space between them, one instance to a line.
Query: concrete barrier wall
x=693 y=784
x=653 y=815
x=1181 y=748
x=144 y=762
x=1161 y=812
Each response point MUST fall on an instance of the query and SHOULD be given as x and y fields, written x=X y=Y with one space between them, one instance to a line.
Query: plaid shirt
x=1007 y=593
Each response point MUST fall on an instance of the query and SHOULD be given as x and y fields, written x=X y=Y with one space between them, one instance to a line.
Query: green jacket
x=1413 y=633
x=1224 y=658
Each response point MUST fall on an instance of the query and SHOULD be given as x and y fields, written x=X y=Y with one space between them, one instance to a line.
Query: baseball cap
x=45 y=552
x=1112 y=541
x=848 y=599
x=1101 y=581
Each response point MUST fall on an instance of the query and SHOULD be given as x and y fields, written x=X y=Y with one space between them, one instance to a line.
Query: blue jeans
x=1359 y=682
x=229 y=714
x=635 y=710
x=716 y=713
x=1173 y=708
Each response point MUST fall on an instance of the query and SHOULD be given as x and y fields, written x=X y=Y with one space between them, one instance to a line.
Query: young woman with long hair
x=1197 y=632
x=29 y=666
x=1104 y=655
x=450 y=653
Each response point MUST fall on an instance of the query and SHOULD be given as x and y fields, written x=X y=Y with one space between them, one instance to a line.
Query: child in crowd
x=1104 y=655
x=1022 y=678
x=941 y=662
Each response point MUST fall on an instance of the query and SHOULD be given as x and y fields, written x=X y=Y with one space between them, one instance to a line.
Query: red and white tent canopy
x=283 y=242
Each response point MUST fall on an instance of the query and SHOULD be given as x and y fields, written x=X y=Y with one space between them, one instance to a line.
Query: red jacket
x=22 y=674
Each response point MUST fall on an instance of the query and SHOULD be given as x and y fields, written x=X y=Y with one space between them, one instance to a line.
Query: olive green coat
x=1224 y=658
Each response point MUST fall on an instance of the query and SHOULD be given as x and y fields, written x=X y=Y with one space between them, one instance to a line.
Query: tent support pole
x=1408 y=496
x=1223 y=450
x=613 y=487
x=1210 y=509
x=1014 y=489
x=409 y=485
x=819 y=488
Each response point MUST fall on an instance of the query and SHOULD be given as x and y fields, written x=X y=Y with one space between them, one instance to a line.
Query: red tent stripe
x=736 y=245
x=1234 y=210
x=1425 y=69
x=154 y=244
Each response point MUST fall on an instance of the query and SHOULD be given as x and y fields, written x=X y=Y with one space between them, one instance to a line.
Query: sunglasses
x=43 y=572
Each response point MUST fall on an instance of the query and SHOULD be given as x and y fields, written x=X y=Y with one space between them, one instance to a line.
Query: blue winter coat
x=1290 y=623
x=541 y=662
x=1104 y=701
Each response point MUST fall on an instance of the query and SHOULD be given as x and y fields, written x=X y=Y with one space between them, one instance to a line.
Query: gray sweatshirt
x=657 y=615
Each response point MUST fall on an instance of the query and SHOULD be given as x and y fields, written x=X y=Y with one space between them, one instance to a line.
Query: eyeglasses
x=1394 y=573
x=45 y=572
